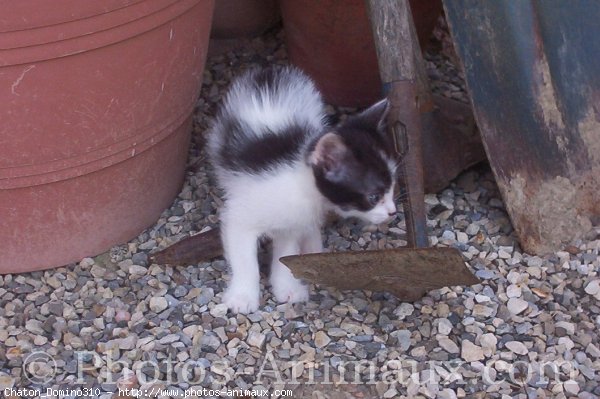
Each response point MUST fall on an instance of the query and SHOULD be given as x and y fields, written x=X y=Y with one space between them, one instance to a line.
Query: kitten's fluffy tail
x=266 y=101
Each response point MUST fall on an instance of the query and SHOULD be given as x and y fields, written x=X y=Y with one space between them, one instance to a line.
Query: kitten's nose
x=390 y=206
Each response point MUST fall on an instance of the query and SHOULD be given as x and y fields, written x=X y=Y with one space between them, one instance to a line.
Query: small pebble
x=444 y=326
x=219 y=310
x=471 y=352
x=404 y=310
x=158 y=304
x=517 y=305
x=321 y=339
x=593 y=287
x=517 y=347
x=256 y=339
x=448 y=345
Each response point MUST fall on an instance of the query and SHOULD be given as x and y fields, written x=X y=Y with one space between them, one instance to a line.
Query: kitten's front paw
x=290 y=290
x=241 y=301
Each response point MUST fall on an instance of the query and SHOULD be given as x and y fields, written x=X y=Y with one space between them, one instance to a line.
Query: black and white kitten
x=282 y=169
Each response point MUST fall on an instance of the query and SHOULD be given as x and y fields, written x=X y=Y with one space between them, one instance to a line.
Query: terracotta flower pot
x=95 y=103
x=332 y=41
x=243 y=18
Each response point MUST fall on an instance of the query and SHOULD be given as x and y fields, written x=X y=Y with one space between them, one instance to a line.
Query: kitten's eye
x=373 y=198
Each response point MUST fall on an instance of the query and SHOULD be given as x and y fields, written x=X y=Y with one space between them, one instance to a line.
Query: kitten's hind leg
x=240 y=246
x=286 y=287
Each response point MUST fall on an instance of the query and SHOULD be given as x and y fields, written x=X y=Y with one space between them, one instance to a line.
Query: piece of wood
x=395 y=38
x=407 y=273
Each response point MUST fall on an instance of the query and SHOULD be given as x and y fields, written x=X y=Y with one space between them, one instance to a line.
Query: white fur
x=284 y=205
x=291 y=212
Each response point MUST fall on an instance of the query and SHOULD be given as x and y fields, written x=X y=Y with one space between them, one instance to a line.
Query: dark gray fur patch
x=257 y=154
x=241 y=150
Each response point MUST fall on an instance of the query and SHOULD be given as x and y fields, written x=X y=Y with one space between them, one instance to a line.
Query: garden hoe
x=408 y=273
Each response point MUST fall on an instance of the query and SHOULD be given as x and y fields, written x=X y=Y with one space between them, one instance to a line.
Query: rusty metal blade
x=407 y=273
x=192 y=250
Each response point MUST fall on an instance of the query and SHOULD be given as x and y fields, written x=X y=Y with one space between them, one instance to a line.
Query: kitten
x=282 y=169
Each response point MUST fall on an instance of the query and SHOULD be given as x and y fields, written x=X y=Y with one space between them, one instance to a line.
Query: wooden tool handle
x=392 y=26
x=400 y=66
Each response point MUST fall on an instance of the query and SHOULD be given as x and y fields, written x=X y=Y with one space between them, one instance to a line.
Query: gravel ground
x=529 y=330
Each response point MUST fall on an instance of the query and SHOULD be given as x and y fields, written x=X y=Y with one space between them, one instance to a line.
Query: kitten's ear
x=376 y=115
x=329 y=155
